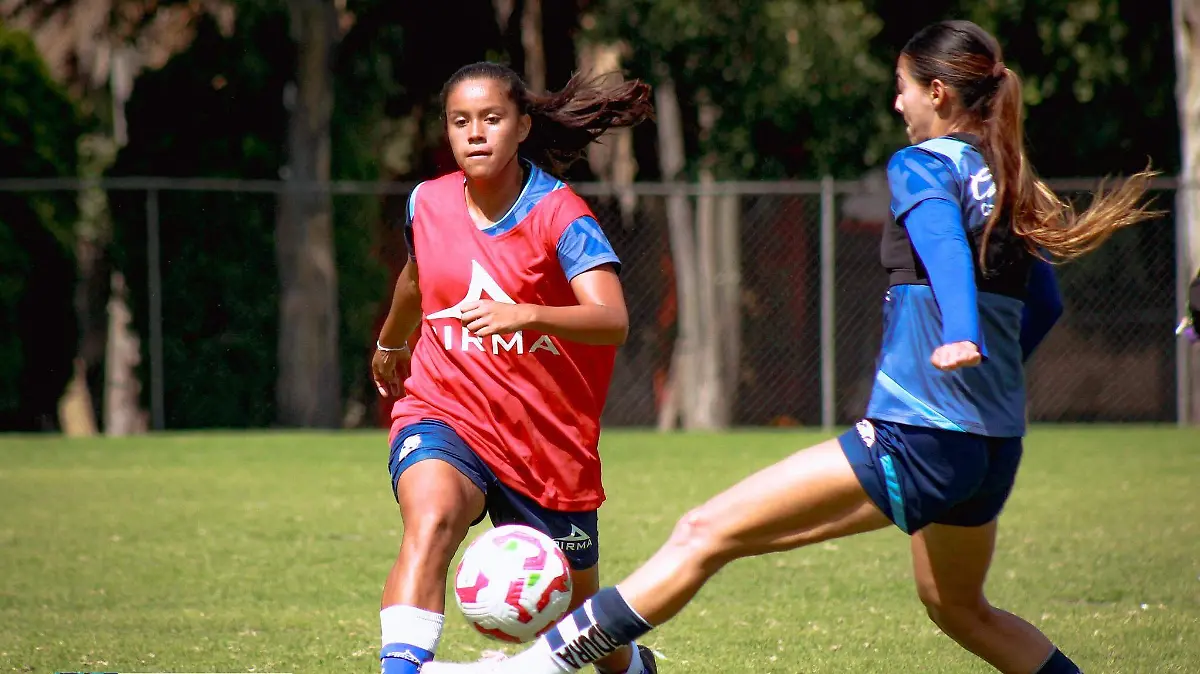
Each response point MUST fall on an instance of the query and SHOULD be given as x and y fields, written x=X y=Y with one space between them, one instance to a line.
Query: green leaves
x=804 y=87
x=39 y=129
x=781 y=68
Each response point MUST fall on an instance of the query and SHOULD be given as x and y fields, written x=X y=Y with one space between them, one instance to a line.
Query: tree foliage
x=214 y=110
x=794 y=81
x=218 y=110
x=39 y=130
x=1099 y=81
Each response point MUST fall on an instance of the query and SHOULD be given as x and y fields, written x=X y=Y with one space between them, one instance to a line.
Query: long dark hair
x=564 y=122
x=968 y=60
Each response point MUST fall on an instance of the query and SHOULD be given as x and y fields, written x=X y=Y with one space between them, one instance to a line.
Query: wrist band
x=390 y=349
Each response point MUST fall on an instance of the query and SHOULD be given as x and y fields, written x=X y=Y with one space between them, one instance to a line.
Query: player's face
x=915 y=104
x=484 y=127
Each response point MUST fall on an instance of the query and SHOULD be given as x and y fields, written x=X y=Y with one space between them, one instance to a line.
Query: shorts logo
x=410 y=443
x=576 y=541
x=866 y=431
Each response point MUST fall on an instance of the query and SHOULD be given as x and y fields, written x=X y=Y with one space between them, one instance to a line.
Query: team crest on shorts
x=866 y=431
x=410 y=443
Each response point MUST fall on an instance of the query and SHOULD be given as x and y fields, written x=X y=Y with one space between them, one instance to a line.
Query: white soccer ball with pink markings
x=513 y=583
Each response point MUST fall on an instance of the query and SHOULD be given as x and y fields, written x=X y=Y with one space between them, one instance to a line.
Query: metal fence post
x=153 y=261
x=828 y=363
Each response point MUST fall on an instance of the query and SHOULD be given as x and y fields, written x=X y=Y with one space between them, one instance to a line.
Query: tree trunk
x=102 y=317
x=729 y=297
x=711 y=409
x=713 y=404
x=531 y=40
x=308 y=389
x=1187 y=68
x=504 y=10
x=683 y=378
x=93 y=233
x=122 y=414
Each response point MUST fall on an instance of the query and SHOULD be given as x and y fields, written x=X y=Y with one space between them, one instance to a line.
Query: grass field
x=266 y=552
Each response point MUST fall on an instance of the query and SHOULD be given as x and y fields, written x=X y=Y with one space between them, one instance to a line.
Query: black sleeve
x=1194 y=300
x=409 y=212
x=408 y=237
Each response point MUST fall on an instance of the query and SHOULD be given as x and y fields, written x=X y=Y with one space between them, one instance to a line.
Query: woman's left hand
x=950 y=357
x=485 y=317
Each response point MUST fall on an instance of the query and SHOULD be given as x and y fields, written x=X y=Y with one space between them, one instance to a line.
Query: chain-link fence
x=809 y=286
x=750 y=304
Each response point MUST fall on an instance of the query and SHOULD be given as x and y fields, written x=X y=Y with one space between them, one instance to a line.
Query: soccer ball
x=513 y=583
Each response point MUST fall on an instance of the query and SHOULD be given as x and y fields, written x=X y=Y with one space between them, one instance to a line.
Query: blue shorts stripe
x=895 y=495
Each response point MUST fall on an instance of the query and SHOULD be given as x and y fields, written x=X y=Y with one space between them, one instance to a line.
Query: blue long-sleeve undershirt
x=936 y=230
x=1043 y=307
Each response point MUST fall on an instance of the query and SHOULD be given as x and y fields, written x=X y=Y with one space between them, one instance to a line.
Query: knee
x=433 y=532
x=700 y=534
x=956 y=616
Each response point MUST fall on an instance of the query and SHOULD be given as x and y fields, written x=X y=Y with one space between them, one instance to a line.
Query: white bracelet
x=390 y=349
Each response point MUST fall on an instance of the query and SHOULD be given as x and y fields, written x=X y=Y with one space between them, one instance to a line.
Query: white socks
x=412 y=626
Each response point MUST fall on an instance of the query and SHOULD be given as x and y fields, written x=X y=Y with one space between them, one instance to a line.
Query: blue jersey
x=942 y=195
x=582 y=246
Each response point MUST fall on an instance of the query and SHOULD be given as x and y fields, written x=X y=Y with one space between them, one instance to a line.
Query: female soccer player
x=520 y=313
x=938 y=449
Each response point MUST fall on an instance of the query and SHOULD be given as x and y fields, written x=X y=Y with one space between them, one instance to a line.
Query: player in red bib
x=515 y=291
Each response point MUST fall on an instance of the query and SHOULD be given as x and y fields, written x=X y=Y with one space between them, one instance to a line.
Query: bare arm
x=405 y=312
x=600 y=318
x=389 y=365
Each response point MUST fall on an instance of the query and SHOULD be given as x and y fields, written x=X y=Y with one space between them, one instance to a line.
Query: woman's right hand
x=389 y=369
x=950 y=357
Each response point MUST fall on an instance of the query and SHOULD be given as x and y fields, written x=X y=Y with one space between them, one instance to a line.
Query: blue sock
x=602 y=625
x=1058 y=663
x=403 y=659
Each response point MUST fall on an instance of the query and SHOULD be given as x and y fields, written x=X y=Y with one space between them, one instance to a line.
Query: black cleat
x=647 y=657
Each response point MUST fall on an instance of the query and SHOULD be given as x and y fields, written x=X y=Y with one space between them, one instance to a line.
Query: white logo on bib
x=482 y=283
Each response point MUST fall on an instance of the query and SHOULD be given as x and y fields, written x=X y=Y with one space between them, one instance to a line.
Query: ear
x=523 y=124
x=939 y=95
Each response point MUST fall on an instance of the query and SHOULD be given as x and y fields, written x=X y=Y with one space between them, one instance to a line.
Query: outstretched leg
x=437 y=503
x=950 y=565
x=809 y=497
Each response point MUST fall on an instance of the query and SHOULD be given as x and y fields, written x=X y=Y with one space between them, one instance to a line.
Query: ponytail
x=567 y=121
x=1042 y=221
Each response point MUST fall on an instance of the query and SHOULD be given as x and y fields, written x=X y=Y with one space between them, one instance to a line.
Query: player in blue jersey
x=936 y=455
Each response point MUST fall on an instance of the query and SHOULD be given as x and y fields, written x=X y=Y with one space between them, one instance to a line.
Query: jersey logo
x=984 y=194
x=483 y=284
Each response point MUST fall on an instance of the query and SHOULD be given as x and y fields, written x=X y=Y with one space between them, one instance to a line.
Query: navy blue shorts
x=577 y=533
x=919 y=476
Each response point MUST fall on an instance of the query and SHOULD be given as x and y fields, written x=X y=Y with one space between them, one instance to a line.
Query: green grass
x=266 y=552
